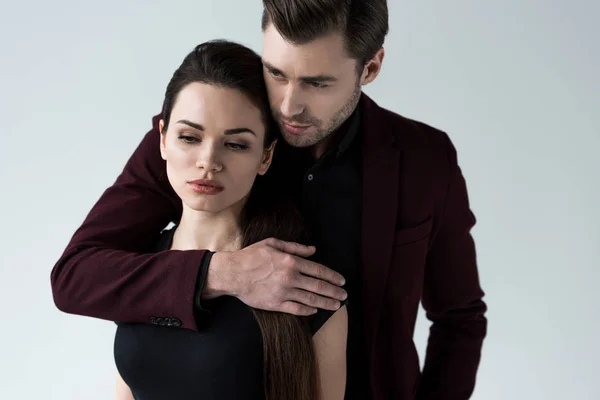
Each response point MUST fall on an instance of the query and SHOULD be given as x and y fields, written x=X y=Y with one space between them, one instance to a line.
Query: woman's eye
x=237 y=146
x=188 y=139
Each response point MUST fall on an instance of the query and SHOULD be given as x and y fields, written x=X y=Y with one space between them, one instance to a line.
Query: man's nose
x=292 y=103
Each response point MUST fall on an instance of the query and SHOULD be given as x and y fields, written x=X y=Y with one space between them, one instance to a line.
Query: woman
x=218 y=141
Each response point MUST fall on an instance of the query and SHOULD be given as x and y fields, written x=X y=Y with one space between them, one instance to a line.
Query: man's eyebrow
x=318 y=78
x=270 y=66
x=313 y=78
x=199 y=127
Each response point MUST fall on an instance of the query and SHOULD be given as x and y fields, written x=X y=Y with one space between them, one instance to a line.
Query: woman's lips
x=205 y=186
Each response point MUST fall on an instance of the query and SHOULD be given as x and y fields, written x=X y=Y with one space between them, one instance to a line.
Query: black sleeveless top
x=223 y=361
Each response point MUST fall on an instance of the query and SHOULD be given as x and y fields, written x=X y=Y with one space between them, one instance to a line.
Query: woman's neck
x=200 y=230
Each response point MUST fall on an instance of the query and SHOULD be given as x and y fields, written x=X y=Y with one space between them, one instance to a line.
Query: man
x=383 y=194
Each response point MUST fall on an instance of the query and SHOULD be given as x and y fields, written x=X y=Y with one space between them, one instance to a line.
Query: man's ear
x=372 y=68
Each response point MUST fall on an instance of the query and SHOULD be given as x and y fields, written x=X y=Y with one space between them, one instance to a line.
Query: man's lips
x=295 y=128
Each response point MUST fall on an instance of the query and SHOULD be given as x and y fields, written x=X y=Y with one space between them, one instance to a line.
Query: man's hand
x=274 y=275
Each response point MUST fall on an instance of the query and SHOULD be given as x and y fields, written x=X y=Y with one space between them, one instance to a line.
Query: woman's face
x=214 y=147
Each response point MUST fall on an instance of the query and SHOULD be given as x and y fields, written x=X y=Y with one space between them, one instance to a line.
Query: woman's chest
x=225 y=358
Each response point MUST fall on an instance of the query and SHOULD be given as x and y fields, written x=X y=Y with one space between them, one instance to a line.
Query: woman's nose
x=209 y=159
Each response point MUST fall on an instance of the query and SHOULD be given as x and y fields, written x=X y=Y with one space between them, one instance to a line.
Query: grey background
x=513 y=82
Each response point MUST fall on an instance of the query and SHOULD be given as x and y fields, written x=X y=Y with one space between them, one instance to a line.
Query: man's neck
x=199 y=230
x=334 y=139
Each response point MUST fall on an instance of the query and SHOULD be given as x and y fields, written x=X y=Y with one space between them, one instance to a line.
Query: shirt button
x=310 y=177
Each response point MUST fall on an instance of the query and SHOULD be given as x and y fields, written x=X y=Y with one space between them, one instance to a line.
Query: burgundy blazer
x=416 y=246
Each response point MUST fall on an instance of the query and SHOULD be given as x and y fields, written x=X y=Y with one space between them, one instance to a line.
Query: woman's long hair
x=290 y=368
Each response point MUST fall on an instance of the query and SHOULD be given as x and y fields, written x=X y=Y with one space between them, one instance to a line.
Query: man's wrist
x=217 y=283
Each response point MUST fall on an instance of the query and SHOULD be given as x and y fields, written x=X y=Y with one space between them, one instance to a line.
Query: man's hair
x=362 y=23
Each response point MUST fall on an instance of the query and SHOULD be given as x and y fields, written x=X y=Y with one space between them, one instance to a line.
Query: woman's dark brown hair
x=290 y=369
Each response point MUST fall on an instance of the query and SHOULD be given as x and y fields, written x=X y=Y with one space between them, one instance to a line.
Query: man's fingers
x=292 y=248
x=320 y=287
x=319 y=271
x=304 y=266
x=298 y=309
x=313 y=300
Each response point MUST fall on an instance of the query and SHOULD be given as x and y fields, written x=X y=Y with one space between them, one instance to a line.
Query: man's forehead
x=323 y=56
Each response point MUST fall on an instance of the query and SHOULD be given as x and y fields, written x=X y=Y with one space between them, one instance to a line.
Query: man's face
x=313 y=88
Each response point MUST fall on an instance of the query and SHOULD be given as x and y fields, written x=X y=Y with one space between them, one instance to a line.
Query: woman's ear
x=267 y=158
x=163 y=135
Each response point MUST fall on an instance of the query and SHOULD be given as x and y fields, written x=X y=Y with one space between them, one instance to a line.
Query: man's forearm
x=127 y=287
x=453 y=354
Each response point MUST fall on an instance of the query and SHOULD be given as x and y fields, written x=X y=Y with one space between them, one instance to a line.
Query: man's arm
x=452 y=298
x=109 y=269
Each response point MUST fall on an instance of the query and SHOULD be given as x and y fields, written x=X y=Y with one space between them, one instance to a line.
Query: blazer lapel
x=381 y=168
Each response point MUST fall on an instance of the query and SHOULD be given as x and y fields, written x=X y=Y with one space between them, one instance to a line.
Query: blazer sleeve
x=109 y=269
x=452 y=296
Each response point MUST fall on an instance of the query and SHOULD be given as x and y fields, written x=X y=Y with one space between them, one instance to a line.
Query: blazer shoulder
x=412 y=132
x=420 y=139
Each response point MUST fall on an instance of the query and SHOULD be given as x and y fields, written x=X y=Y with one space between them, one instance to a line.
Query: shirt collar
x=351 y=127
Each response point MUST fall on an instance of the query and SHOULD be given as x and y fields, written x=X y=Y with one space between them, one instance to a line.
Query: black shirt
x=332 y=206
x=223 y=361
x=329 y=193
